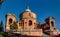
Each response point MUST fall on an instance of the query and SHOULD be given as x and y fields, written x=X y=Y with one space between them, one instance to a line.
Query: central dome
x=28 y=14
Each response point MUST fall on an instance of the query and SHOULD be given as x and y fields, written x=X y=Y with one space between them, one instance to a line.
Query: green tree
x=1 y=1
x=14 y=26
x=1 y=26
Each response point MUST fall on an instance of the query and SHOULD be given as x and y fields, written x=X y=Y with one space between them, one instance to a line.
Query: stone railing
x=29 y=32
x=25 y=30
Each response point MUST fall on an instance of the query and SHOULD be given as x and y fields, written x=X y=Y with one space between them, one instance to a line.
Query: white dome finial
x=27 y=9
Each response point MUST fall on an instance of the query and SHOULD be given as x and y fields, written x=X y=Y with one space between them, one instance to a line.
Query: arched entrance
x=30 y=22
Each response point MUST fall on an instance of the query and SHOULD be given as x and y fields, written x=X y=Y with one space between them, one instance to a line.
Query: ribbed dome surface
x=28 y=14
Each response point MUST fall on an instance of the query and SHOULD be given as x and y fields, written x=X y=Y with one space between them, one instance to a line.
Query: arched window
x=19 y=24
x=30 y=22
x=52 y=23
x=10 y=20
x=25 y=22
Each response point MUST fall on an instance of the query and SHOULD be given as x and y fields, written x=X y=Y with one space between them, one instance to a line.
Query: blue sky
x=42 y=8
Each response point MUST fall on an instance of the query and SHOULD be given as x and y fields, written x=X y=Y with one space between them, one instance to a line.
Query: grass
x=1 y=34
x=4 y=34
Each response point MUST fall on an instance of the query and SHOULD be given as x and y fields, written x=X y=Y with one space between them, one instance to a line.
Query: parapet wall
x=34 y=32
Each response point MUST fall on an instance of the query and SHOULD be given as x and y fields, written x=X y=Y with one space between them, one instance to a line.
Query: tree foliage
x=1 y=26
x=14 y=26
x=1 y=1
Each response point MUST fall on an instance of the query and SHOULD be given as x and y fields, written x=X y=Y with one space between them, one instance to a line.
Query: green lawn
x=3 y=34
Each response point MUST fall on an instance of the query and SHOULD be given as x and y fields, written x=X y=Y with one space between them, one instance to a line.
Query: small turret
x=27 y=9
